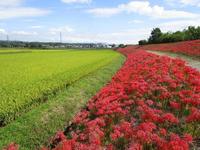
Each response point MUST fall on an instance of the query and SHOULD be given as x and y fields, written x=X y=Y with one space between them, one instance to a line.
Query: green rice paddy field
x=28 y=77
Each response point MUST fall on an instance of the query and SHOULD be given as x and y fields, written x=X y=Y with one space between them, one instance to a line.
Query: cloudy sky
x=111 y=21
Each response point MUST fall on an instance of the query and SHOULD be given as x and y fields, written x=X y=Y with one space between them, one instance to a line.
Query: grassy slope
x=35 y=128
x=26 y=78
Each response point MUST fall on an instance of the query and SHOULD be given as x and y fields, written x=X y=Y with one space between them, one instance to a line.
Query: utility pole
x=7 y=38
x=60 y=37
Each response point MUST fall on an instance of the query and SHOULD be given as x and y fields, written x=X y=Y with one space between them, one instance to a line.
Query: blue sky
x=111 y=21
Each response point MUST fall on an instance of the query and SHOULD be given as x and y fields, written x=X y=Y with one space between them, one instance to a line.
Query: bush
x=143 y=42
x=122 y=46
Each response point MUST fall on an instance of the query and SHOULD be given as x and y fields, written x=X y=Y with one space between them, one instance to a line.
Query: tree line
x=50 y=45
x=157 y=36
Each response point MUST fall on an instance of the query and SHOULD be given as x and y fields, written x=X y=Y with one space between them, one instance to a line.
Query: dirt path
x=195 y=63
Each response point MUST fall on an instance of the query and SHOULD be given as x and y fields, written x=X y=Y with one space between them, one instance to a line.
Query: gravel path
x=193 y=62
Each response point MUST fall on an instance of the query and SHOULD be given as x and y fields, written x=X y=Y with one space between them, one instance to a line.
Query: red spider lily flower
x=135 y=146
x=175 y=105
x=149 y=102
x=194 y=116
x=65 y=145
x=163 y=132
x=188 y=138
x=115 y=135
x=60 y=136
x=170 y=118
x=12 y=146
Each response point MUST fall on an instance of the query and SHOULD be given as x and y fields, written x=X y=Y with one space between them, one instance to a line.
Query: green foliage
x=172 y=37
x=191 y=33
x=155 y=36
x=122 y=46
x=143 y=42
x=27 y=79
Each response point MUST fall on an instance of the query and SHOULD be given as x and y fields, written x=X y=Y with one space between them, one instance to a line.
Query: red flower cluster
x=188 y=47
x=12 y=146
x=153 y=102
x=191 y=48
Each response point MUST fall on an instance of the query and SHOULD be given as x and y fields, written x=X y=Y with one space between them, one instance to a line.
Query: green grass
x=13 y=51
x=27 y=79
x=35 y=128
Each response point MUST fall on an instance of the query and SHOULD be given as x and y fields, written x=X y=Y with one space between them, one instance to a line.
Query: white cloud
x=21 y=12
x=37 y=27
x=123 y=36
x=28 y=20
x=24 y=33
x=14 y=9
x=191 y=2
x=104 y=12
x=6 y=3
x=64 y=29
x=3 y=31
x=135 y=21
x=76 y=1
x=178 y=24
x=143 y=8
x=184 y=2
x=129 y=36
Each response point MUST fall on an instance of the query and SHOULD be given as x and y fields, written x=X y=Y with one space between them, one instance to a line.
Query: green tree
x=143 y=42
x=155 y=36
x=178 y=36
x=192 y=33
x=122 y=45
